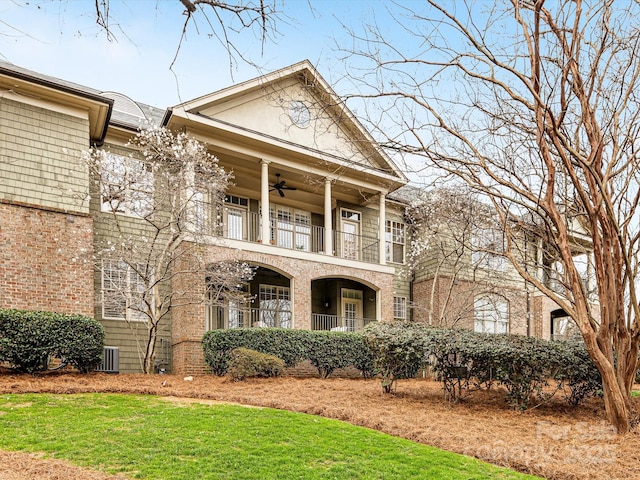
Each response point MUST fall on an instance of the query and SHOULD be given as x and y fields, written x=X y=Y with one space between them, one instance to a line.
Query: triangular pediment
x=295 y=106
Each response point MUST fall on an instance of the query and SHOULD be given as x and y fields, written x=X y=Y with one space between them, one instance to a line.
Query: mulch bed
x=553 y=440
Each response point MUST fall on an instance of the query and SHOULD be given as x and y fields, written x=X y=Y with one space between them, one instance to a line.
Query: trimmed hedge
x=289 y=345
x=245 y=363
x=326 y=351
x=400 y=349
x=29 y=338
x=522 y=365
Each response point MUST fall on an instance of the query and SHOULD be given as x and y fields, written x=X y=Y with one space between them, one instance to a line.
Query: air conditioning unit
x=110 y=360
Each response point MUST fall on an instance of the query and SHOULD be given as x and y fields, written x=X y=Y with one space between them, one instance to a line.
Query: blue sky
x=60 y=38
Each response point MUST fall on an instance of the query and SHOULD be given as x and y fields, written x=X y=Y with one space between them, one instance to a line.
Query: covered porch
x=267 y=301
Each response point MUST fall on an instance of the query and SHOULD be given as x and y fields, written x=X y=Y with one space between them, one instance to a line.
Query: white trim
x=266 y=249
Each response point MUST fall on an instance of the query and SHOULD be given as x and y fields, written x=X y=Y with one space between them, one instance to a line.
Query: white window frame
x=113 y=274
x=293 y=232
x=395 y=234
x=350 y=243
x=235 y=309
x=281 y=298
x=491 y=314
x=237 y=205
x=127 y=186
x=198 y=203
x=299 y=113
x=400 y=308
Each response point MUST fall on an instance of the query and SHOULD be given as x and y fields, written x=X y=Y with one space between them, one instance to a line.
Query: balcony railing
x=321 y=321
x=300 y=236
x=218 y=317
x=355 y=247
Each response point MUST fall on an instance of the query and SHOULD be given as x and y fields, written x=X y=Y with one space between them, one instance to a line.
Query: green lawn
x=147 y=437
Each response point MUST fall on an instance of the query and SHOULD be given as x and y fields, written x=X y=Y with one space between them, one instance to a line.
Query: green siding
x=119 y=333
x=40 y=160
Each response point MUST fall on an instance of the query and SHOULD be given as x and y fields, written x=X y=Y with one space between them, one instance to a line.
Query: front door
x=350 y=240
x=351 y=309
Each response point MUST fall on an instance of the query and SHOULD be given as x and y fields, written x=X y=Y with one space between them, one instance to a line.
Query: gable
x=295 y=106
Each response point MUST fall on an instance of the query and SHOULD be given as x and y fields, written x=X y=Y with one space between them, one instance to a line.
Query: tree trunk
x=616 y=380
x=150 y=352
x=615 y=401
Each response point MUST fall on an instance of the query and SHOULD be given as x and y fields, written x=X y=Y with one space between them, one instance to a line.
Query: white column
x=264 y=202
x=328 y=224
x=382 y=229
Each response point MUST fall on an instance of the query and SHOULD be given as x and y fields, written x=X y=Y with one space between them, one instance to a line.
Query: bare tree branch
x=533 y=104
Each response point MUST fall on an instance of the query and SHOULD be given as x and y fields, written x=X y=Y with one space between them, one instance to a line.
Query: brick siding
x=188 y=319
x=46 y=260
x=459 y=302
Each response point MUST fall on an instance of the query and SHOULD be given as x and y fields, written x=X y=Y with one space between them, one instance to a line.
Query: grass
x=151 y=438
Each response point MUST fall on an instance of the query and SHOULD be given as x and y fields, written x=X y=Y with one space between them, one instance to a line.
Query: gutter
x=66 y=89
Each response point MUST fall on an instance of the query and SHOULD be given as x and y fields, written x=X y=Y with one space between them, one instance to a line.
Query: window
x=235 y=217
x=491 y=314
x=290 y=228
x=122 y=291
x=299 y=114
x=488 y=249
x=352 y=309
x=394 y=242
x=275 y=307
x=199 y=210
x=127 y=186
x=350 y=215
x=564 y=328
x=230 y=309
x=400 y=308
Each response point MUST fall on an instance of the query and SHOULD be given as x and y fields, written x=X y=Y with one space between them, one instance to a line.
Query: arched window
x=491 y=314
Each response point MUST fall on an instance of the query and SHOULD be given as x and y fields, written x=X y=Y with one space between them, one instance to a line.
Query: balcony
x=300 y=236
x=219 y=318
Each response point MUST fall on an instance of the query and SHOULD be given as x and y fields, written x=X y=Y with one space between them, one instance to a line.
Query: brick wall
x=188 y=320
x=457 y=302
x=46 y=260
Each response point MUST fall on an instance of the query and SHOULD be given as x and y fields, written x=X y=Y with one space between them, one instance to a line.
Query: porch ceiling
x=309 y=185
x=352 y=181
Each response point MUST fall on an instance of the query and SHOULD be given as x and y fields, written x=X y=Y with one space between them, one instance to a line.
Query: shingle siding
x=40 y=157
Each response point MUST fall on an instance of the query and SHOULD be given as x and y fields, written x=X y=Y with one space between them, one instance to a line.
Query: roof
x=120 y=106
x=305 y=73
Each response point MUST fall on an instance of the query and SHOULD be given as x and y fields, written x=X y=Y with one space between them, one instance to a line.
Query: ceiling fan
x=280 y=186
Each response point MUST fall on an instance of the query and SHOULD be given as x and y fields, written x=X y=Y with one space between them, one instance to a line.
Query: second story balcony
x=299 y=234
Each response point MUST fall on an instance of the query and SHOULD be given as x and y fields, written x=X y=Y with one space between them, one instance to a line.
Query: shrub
x=577 y=371
x=325 y=350
x=361 y=355
x=526 y=364
x=400 y=349
x=328 y=351
x=79 y=340
x=245 y=363
x=29 y=338
x=523 y=365
x=289 y=345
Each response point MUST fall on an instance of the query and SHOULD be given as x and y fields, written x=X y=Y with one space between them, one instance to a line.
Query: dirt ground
x=553 y=441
